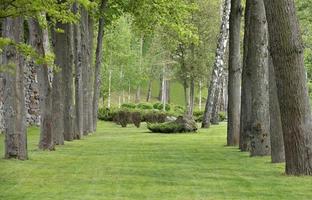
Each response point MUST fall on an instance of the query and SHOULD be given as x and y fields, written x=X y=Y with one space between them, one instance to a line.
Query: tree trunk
x=67 y=64
x=258 y=60
x=138 y=94
x=192 y=98
x=57 y=89
x=98 y=65
x=219 y=62
x=109 y=88
x=288 y=60
x=129 y=93
x=90 y=73
x=200 y=96
x=245 y=127
x=78 y=80
x=37 y=39
x=234 y=83
x=149 y=91
x=14 y=101
x=216 y=102
x=276 y=132
x=85 y=68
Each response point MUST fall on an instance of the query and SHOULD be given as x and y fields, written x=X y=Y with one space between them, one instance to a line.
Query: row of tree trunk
x=68 y=103
x=268 y=107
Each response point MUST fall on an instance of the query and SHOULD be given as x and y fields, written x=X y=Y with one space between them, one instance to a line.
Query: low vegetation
x=131 y=164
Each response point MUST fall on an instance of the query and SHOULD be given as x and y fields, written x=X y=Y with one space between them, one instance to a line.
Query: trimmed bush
x=154 y=117
x=198 y=116
x=128 y=105
x=123 y=118
x=145 y=106
x=160 y=106
x=136 y=118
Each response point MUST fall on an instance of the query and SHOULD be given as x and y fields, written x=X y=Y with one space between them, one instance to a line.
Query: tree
x=245 y=114
x=38 y=37
x=14 y=102
x=276 y=132
x=234 y=82
x=258 y=60
x=218 y=65
x=98 y=63
x=288 y=59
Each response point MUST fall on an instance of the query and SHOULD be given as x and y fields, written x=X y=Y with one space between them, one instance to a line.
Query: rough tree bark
x=66 y=64
x=36 y=37
x=58 y=90
x=219 y=62
x=287 y=54
x=85 y=66
x=258 y=60
x=90 y=73
x=245 y=127
x=276 y=132
x=234 y=83
x=98 y=65
x=78 y=80
x=216 y=103
x=14 y=101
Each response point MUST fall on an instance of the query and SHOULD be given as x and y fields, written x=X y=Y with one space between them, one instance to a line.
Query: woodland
x=155 y=99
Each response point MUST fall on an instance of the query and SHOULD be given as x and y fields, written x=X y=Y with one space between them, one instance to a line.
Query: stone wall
x=1 y=105
x=31 y=95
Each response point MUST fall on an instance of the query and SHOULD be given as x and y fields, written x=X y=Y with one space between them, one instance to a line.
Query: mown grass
x=130 y=163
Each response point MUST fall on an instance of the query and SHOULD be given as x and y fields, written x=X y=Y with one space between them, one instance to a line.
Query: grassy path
x=130 y=163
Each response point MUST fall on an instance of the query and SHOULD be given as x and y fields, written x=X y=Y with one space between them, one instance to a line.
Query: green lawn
x=131 y=163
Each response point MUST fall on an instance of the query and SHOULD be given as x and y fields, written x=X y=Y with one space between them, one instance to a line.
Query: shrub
x=155 y=117
x=123 y=117
x=178 y=109
x=167 y=127
x=136 y=118
x=107 y=114
x=128 y=105
x=145 y=106
x=160 y=106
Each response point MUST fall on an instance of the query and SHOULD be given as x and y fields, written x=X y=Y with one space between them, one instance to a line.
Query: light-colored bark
x=218 y=67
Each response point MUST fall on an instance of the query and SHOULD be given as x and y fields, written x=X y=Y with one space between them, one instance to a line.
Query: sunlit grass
x=130 y=163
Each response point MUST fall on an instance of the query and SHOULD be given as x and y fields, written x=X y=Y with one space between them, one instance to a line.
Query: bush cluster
x=125 y=116
x=198 y=116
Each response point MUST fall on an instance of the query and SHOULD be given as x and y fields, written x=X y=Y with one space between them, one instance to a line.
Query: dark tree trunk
x=36 y=36
x=85 y=67
x=276 y=132
x=234 y=83
x=288 y=60
x=78 y=80
x=98 y=65
x=90 y=73
x=258 y=60
x=58 y=90
x=14 y=101
x=245 y=127
x=219 y=62
x=168 y=91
